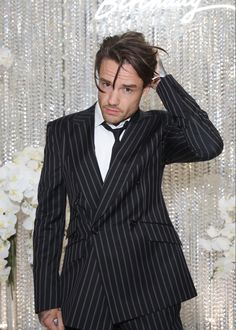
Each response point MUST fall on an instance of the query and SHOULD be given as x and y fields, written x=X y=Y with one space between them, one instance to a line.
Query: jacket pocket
x=157 y=232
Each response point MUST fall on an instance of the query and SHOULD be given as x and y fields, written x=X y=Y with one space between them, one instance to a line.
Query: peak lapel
x=86 y=166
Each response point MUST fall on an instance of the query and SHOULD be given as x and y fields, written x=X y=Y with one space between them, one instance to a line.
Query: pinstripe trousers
x=167 y=319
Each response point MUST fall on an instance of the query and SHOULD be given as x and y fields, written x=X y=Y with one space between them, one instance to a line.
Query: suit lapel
x=123 y=164
x=86 y=165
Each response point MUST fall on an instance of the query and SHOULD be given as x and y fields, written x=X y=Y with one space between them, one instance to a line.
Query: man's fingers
x=52 y=324
x=60 y=321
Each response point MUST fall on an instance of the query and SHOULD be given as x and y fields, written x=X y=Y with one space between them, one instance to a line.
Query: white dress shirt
x=103 y=141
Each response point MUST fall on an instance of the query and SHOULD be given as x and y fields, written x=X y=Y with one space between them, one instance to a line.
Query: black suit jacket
x=122 y=247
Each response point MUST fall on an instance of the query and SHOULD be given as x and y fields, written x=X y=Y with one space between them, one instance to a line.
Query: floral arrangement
x=18 y=196
x=222 y=240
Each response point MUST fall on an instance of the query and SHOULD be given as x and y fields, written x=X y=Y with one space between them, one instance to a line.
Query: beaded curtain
x=54 y=43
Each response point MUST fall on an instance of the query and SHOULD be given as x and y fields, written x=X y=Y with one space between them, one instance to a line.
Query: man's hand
x=160 y=72
x=52 y=319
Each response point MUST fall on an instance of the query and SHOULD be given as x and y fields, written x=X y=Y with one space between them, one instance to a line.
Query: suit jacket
x=122 y=247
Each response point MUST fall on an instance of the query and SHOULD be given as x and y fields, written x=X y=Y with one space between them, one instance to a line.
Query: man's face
x=122 y=101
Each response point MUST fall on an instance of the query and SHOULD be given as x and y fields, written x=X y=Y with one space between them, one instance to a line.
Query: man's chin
x=111 y=119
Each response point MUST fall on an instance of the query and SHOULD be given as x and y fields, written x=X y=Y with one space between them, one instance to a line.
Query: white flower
x=6 y=57
x=6 y=205
x=4 y=273
x=26 y=208
x=224 y=266
x=226 y=206
x=220 y=244
x=16 y=195
x=212 y=231
x=34 y=200
x=3 y=263
x=32 y=164
x=7 y=225
x=19 y=178
x=230 y=254
x=228 y=230
x=29 y=193
x=20 y=159
x=28 y=223
x=205 y=244
x=34 y=153
x=3 y=173
x=4 y=249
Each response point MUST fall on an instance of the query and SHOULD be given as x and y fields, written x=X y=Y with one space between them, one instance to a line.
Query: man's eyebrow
x=105 y=80
x=130 y=86
x=123 y=85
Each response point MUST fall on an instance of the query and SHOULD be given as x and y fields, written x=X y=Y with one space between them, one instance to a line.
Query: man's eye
x=128 y=90
x=106 y=84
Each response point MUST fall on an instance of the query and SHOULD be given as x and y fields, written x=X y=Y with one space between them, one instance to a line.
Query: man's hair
x=132 y=48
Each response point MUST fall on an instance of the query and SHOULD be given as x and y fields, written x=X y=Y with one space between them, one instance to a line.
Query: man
x=123 y=266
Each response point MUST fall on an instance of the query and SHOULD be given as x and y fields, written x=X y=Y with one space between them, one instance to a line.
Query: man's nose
x=113 y=97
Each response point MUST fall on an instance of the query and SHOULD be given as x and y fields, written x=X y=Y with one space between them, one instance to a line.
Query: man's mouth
x=111 y=111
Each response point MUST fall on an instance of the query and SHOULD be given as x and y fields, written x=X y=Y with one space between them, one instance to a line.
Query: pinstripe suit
x=123 y=258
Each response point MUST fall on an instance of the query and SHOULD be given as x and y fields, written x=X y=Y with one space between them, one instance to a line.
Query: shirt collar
x=99 y=118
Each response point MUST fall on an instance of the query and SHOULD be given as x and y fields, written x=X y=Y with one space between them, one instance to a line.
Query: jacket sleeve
x=190 y=135
x=49 y=226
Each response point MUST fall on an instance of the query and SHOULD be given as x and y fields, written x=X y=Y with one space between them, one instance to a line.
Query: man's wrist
x=162 y=71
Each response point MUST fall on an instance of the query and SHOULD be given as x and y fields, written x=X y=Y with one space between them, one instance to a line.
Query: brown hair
x=130 y=47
